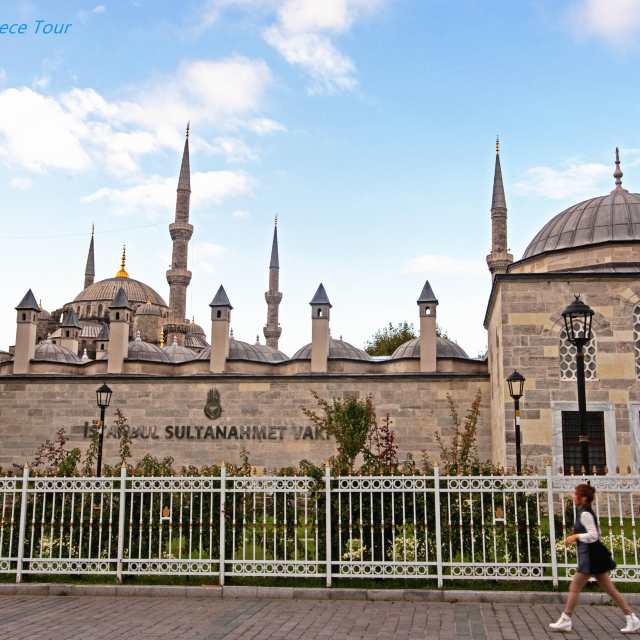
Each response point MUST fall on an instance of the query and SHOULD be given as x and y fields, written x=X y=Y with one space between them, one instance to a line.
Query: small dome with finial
x=49 y=352
x=195 y=328
x=178 y=353
x=148 y=309
x=139 y=350
x=44 y=314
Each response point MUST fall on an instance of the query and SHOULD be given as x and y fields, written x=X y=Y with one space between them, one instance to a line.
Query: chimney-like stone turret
x=499 y=259
x=220 y=322
x=27 y=319
x=320 y=311
x=178 y=276
x=70 y=331
x=427 y=303
x=272 y=329
x=120 y=318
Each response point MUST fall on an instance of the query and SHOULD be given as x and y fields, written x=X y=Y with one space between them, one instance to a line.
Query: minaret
x=272 y=329
x=178 y=276
x=90 y=271
x=498 y=260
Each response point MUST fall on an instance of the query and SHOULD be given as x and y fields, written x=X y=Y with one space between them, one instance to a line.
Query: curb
x=296 y=593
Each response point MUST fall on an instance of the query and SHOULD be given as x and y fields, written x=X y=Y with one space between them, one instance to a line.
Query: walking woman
x=593 y=560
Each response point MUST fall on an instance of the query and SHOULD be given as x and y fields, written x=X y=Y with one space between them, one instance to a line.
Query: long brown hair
x=586 y=491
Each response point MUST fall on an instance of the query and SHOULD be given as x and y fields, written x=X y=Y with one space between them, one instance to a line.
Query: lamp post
x=103 y=396
x=516 y=390
x=577 y=321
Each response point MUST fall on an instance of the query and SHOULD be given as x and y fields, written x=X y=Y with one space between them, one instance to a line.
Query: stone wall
x=524 y=322
x=33 y=408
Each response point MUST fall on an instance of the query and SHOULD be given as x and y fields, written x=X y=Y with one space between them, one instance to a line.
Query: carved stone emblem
x=212 y=409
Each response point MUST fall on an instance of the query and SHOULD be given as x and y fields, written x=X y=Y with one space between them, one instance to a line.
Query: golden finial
x=161 y=338
x=188 y=123
x=193 y=319
x=93 y=228
x=148 y=299
x=497 y=144
x=122 y=273
x=40 y=305
x=276 y=219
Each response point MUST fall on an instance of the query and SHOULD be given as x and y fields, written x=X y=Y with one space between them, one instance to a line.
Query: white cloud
x=203 y=252
x=41 y=82
x=431 y=263
x=575 y=180
x=3 y=75
x=156 y=196
x=99 y=9
x=614 y=22
x=80 y=129
x=240 y=214
x=21 y=183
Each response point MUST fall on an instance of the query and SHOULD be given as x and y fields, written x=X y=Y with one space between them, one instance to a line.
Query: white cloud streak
x=617 y=23
x=240 y=214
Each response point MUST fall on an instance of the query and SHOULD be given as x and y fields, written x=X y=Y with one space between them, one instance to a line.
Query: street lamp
x=577 y=321
x=516 y=390
x=103 y=396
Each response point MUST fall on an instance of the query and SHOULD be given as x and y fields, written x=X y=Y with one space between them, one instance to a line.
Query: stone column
x=120 y=317
x=320 y=311
x=220 y=322
x=427 y=304
x=27 y=325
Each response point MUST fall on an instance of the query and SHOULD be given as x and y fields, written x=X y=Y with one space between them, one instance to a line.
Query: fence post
x=436 y=482
x=327 y=493
x=121 y=514
x=23 y=521
x=552 y=526
x=223 y=520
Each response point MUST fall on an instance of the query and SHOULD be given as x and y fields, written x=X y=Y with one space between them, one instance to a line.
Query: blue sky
x=368 y=126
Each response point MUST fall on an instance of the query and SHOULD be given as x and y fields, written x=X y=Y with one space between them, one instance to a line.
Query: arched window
x=24 y=316
x=66 y=334
x=428 y=311
x=78 y=310
x=88 y=309
x=219 y=314
x=319 y=313
x=117 y=315
x=99 y=309
x=568 y=357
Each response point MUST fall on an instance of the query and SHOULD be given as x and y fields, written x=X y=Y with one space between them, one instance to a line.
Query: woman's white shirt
x=589 y=523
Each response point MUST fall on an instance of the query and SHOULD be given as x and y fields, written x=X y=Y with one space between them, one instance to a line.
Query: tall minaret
x=498 y=260
x=272 y=329
x=178 y=276
x=90 y=271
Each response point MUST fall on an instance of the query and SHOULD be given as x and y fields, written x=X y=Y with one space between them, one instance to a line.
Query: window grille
x=568 y=358
x=571 y=441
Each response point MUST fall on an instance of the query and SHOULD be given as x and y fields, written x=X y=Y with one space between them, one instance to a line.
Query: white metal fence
x=440 y=527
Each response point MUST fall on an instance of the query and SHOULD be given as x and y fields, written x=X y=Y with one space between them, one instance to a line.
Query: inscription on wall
x=217 y=432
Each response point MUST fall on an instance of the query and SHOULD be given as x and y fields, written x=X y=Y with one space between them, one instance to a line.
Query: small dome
x=338 y=350
x=178 y=353
x=44 y=314
x=239 y=350
x=148 y=309
x=5 y=356
x=195 y=328
x=49 y=352
x=444 y=349
x=106 y=290
x=90 y=329
x=273 y=355
x=195 y=341
x=139 y=350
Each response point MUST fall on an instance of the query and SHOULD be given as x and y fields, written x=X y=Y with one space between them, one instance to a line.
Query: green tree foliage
x=386 y=341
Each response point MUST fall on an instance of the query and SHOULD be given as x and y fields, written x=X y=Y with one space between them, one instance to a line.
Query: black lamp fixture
x=577 y=321
x=103 y=397
x=516 y=390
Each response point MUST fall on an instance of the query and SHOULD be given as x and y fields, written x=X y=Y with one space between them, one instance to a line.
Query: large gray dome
x=338 y=350
x=106 y=290
x=612 y=218
x=49 y=352
x=444 y=349
x=239 y=350
x=139 y=350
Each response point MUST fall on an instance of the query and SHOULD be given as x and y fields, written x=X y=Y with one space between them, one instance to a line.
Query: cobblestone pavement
x=89 y=618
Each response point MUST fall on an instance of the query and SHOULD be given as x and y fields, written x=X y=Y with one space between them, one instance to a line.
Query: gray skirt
x=583 y=558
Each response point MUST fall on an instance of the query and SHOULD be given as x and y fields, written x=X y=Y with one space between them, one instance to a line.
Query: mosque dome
x=178 y=353
x=148 y=309
x=239 y=350
x=611 y=218
x=338 y=350
x=195 y=341
x=105 y=290
x=195 y=328
x=444 y=349
x=273 y=354
x=44 y=314
x=139 y=350
x=49 y=352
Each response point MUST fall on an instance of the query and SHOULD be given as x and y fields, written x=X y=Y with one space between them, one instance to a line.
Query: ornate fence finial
x=26 y=465
x=548 y=462
x=223 y=465
x=595 y=471
x=435 y=464
x=617 y=469
x=571 y=471
x=606 y=470
x=560 y=470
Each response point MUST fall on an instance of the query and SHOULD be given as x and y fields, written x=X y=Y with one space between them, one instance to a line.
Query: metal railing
x=435 y=526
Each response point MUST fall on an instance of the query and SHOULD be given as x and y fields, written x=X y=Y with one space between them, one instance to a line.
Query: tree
x=386 y=341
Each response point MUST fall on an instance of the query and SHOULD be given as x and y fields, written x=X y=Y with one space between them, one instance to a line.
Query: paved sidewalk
x=90 y=618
